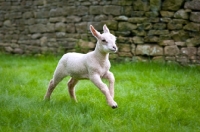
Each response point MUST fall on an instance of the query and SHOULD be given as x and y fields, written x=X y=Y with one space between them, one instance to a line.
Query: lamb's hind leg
x=57 y=77
x=71 y=88
x=50 y=89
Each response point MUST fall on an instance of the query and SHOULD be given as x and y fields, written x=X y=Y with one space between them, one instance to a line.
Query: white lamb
x=94 y=65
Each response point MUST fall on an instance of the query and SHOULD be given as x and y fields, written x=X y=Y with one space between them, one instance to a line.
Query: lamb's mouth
x=113 y=50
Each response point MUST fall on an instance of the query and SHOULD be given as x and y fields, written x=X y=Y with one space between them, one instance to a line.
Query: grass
x=151 y=97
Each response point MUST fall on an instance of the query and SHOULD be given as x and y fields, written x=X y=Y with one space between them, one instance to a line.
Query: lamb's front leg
x=95 y=78
x=109 y=75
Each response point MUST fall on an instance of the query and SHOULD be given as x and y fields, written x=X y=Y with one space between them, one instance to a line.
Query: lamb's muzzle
x=94 y=66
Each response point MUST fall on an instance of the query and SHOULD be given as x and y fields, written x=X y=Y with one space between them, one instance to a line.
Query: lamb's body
x=79 y=65
x=93 y=66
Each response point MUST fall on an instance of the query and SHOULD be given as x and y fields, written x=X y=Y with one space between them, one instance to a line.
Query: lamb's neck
x=101 y=56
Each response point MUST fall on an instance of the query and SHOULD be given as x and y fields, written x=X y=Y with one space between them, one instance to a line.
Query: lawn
x=151 y=97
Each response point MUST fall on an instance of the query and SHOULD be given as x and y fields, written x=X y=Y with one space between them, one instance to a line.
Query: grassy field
x=151 y=97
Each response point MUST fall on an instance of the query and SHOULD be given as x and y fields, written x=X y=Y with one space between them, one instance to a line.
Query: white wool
x=93 y=66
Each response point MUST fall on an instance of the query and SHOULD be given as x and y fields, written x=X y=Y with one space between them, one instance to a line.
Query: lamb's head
x=105 y=41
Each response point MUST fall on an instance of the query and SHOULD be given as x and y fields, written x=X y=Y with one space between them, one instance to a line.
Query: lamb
x=94 y=66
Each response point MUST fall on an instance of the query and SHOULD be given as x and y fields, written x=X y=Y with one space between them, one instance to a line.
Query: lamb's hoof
x=114 y=107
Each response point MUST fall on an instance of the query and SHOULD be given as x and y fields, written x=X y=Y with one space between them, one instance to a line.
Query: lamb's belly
x=79 y=74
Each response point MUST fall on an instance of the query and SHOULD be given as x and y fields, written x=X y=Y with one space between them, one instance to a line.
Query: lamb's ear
x=105 y=29
x=95 y=32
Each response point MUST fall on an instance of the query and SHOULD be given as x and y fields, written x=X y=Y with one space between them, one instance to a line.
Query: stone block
x=125 y=2
x=121 y=18
x=36 y=36
x=137 y=19
x=170 y=58
x=158 y=59
x=194 y=5
x=37 y=28
x=60 y=27
x=140 y=5
x=195 y=16
x=179 y=35
x=139 y=32
x=151 y=14
x=166 y=42
x=85 y=44
x=133 y=47
x=7 y=23
x=150 y=50
x=8 y=49
x=57 y=19
x=159 y=26
x=193 y=41
x=81 y=11
x=192 y=27
x=123 y=40
x=125 y=54
x=182 y=59
x=30 y=21
x=167 y=13
x=60 y=34
x=180 y=44
x=151 y=39
x=181 y=14
x=153 y=19
x=144 y=26
x=70 y=28
x=68 y=10
x=42 y=20
x=198 y=52
x=189 y=51
x=137 y=13
x=111 y=24
x=112 y=10
x=126 y=26
x=172 y=5
x=165 y=19
x=50 y=27
x=87 y=18
x=180 y=21
x=41 y=14
x=155 y=5
x=54 y=12
x=13 y=15
x=123 y=33
x=174 y=26
x=95 y=10
x=101 y=17
x=127 y=10
x=81 y=27
x=171 y=50
x=158 y=32
x=73 y=19
x=138 y=40
x=124 y=47
x=28 y=15
x=43 y=41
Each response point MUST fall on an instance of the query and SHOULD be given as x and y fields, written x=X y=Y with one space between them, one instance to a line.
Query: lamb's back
x=75 y=64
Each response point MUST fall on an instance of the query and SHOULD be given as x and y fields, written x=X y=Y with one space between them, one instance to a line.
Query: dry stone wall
x=160 y=30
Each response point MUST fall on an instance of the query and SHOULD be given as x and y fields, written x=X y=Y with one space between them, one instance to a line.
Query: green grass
x=151 y=97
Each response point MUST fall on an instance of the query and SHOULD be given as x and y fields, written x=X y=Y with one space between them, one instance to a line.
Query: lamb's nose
x=114 y=48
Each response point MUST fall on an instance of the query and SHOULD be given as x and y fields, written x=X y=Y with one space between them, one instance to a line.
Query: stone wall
x=166 y=30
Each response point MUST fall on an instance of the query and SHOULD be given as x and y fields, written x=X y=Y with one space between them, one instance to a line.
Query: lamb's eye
x=104 y=41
